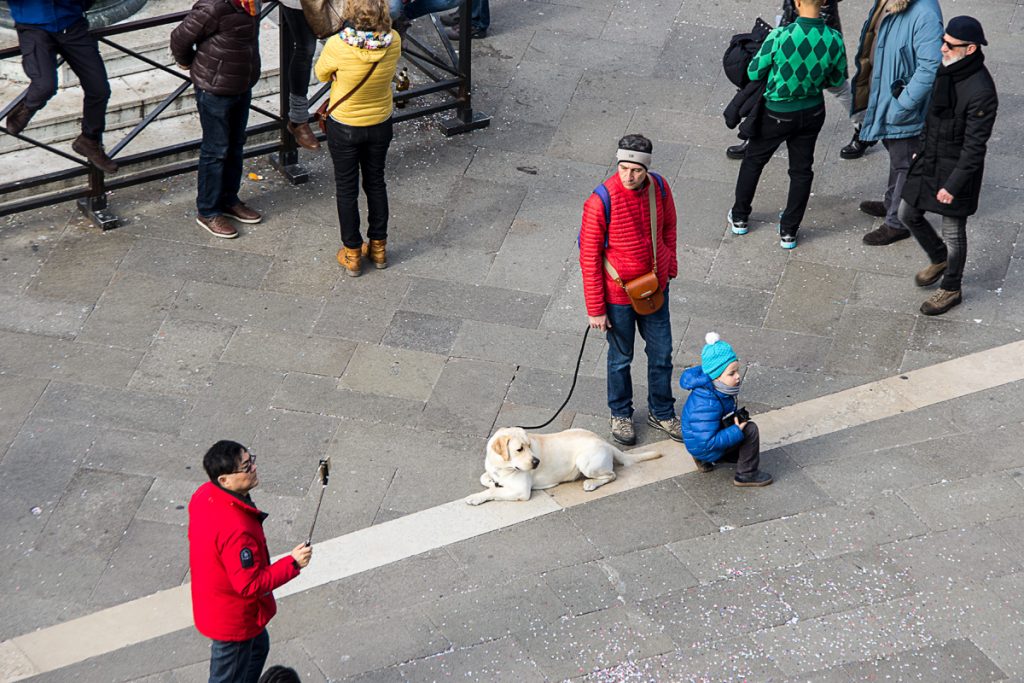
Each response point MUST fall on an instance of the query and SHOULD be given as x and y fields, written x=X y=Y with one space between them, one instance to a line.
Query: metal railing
x=448 y=82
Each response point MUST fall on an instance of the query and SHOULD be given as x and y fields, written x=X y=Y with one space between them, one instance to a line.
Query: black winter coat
x=953 y=155
x=829 y=13
x=219 y=41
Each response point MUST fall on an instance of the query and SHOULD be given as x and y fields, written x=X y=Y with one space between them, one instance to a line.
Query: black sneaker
x=873 y=207
x=856 y=148
x=755 y=478
x=883 y=235
x=737 y=151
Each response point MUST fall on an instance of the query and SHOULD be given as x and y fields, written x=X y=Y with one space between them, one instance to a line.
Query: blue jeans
x=419 y=8
x=224 y=119
x=656 y=331
x=239 y=661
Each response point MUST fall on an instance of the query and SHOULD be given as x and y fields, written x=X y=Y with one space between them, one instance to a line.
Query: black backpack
x=742 y=48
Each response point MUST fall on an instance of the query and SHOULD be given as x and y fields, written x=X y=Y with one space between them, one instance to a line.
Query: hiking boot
x=755 y=478
x=930 y=275
x=243 y=214
x=703 y=466
x=475 y=33
x=737 y=151
x=670 y=426
x=18 y=118
x=351 y=259
x=218 y=226
x=873 y=208
x=374 y=251
x=883 y=235
x=93 y=151
x=737 y=227
x=304 y=136
x=856 y=148
x=451 y=19
x=941 y=301
x=622 y=430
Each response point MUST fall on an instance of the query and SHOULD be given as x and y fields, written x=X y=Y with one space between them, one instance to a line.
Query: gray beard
x=950 y=61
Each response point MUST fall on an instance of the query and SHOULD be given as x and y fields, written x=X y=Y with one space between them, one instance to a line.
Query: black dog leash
x=575 y=375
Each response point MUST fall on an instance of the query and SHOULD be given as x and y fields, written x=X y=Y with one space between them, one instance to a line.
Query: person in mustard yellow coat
x=359 y=130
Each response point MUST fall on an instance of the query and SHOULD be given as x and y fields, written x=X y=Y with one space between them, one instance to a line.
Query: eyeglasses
x=247 y=465
x=953 y=46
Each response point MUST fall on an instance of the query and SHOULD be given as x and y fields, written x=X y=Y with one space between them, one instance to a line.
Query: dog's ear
x=501 y=446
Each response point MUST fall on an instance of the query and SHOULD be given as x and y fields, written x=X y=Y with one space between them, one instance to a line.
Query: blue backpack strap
x=661 y=183
x=606 y=201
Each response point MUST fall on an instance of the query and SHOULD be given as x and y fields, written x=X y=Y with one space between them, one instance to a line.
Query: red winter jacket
x=232 y=577
x=629 y=242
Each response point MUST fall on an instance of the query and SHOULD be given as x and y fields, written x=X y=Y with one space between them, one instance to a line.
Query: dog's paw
x=486 y=480
x=475 y=500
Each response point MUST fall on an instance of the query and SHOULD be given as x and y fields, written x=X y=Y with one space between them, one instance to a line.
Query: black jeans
x=355 y=149
x=224 y=119
x=239 y=661
x=39 y=51
x=951 y=247
x=747 y=455
x=303 y=46
x=799 y=130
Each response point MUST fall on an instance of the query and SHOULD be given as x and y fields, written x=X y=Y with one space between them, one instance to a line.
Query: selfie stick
x=323 y=471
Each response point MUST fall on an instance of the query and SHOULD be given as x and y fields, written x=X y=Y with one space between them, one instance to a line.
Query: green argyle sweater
x=799 y=60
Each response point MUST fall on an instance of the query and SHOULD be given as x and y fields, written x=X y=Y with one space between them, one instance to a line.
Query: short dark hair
x=280 y=674
x=222 y=458
x=637 y=143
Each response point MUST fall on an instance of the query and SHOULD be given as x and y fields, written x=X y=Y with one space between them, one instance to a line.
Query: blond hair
x=368 y=15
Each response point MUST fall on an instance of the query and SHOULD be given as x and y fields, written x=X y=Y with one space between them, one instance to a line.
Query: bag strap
x=373 y=67
x=654 y=238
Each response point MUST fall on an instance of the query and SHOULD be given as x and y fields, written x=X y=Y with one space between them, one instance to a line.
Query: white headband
x=634 y=157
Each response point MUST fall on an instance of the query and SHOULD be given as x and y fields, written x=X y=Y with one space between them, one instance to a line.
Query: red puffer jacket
x=219 y=41
x=629 y=242
x=232 y=577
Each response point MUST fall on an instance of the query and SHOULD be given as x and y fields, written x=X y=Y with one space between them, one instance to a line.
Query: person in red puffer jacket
x=232 y=575
x=617 y=226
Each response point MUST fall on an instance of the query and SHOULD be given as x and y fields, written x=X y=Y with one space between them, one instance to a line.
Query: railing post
x=465 y=118
x=286 y=160
x=94 y=205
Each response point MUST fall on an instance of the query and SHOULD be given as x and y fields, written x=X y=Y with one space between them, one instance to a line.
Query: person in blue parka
x=712 y=431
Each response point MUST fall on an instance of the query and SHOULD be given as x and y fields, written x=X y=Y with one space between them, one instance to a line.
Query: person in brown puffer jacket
x=218 y=42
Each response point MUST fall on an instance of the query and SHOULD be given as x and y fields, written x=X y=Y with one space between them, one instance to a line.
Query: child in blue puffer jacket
x=713 y=387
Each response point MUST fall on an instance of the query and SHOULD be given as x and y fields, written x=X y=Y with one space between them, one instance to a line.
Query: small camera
x=740 y=414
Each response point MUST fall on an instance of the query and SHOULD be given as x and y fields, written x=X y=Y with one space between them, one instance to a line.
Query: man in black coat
x=945 y=176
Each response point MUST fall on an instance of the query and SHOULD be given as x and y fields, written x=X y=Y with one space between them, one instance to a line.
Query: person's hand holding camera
x=302 y=554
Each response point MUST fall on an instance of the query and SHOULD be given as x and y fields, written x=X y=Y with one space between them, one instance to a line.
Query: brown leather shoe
x=874 y=208
x=243 y=214
x=930 y=275
x=218 y=226
x=375 y=252
x=883 y=235
x=18 y=118
x=93 y=151
x=352 y=260
x=304 y=135
x=941 y=301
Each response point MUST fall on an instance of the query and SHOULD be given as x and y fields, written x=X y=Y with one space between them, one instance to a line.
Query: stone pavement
x=889 y=549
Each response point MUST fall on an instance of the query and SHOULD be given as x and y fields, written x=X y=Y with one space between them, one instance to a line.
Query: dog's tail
x=633 y=458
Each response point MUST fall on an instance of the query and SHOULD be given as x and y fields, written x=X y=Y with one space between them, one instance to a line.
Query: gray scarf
x=725 y=389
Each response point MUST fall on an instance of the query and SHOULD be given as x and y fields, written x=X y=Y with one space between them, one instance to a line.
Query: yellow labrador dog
x=517 y=462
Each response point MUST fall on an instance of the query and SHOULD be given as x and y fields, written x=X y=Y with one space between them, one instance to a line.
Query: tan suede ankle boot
x=375 y=251
x=352 y=260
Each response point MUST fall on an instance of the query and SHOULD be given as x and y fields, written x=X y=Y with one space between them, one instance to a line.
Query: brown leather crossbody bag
x=323 y=112
x=644 y=292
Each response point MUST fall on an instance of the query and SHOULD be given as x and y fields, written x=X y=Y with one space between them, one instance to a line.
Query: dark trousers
x=799 y=130
x=356 y=149
x=224 y=119
x=901 y=153
x=39 y=51
x=656 y=331
x=303 y=46
x=480 y=17
x=951 y=247
x=239 y=661
x=747 y=455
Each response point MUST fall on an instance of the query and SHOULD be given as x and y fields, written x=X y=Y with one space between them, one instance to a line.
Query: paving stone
x=868 y=341
x=530 y=258
x=576 y=645
x=535 y=348
x=203 y=264
x=486 y=304
x=611 y=525
x=776 y=388
x=479 y=214
x=957 y=660
x=302 y=269
x=131 y=309
x=17 y=397
x=957 y=556
x=166 y=502
x=291 y=445
x=42 y=316
x=948 y=339
x=546 y=389
x=422 y=332
x=739 y=552
x=467 y=396
x=26 y=240
x=182 y=358
x=233 y=405
x=65 y=360
x=147 y=454
x=109 y=408
x=967 y=501
x=730 y=304
x=149 y=557
x=717 y=611
x=321 y=395
x=583 y=588
x=834 y=675
x=289 y=352
x=539 y=172
x=497 y=660
x=802 y=283
x=361 y=310
x=885 y=471
x=744 y=262
x=647 y=573
x=588 y=130
x=392 y=372
x=732 y=659
x=78 y=267
x=240 y=306
x=758 y=345
x=864 y=524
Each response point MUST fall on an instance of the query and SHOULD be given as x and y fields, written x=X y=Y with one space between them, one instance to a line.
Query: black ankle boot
x=856 y=148
x=737 y=151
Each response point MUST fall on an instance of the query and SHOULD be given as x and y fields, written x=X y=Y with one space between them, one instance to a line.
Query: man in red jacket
x=232 y=576
x=617 y=227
